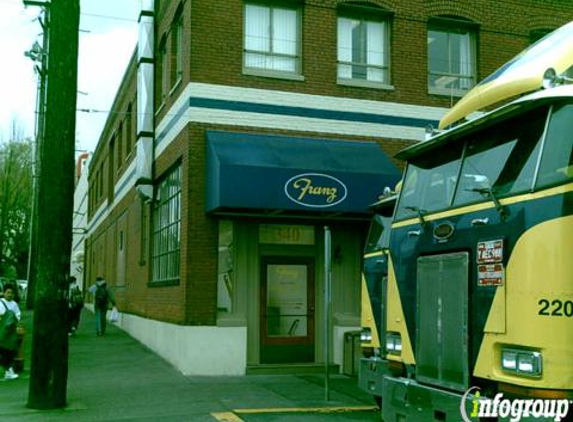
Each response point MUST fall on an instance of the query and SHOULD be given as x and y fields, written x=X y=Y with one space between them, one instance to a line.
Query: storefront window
x=225 y=267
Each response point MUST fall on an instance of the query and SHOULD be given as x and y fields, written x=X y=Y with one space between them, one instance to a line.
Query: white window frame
x=451 y=28
x=347 y=65
x=166 y=249
x=269 y=51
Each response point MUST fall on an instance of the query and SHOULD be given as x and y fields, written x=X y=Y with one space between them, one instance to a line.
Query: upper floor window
x=177 y=49
x=163 y=70
x=363 y=45
x=128 y=129
x=120 y=146
x=451 y=57
x=272 y=38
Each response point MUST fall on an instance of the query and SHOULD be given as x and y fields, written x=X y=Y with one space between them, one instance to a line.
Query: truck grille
x=442 y=326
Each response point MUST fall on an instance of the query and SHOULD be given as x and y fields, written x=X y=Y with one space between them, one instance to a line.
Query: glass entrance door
x=287 y=310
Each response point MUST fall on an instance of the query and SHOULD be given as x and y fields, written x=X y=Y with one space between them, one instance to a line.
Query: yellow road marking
x=329 y=409
x=232 y=416
x=226 y=417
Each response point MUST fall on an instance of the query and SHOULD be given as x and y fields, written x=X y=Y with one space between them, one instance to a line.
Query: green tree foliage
x=16 y=189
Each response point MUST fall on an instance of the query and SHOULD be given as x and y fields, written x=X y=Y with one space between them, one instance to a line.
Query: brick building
x=244 y=130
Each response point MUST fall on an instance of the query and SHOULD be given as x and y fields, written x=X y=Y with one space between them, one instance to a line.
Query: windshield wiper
x=420 y=213
x=489 y=192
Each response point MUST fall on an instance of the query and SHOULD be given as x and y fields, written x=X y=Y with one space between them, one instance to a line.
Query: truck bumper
x=371 y=375
x=404 y=400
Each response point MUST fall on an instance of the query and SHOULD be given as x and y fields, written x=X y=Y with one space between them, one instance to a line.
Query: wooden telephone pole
x=49 y=362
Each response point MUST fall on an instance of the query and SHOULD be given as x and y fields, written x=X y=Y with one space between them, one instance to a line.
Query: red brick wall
x=216 y=43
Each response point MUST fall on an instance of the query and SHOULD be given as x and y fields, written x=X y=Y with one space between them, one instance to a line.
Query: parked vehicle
x=374 y=284
x=479 y=300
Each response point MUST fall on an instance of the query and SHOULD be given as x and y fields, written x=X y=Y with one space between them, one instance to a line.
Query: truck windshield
x=557 y=158
x=379 y=234
x=499 y=161
x=429 y=182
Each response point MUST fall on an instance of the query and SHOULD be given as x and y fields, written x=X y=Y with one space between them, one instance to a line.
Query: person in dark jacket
x=103 y=296
x=75 y=305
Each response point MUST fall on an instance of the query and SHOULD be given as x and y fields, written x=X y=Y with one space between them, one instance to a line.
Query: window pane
x=226 y=267
x=257 y=26
x=502 y=159
x=284 y=31
x=287 y=297
x=255 y=60
x=438 y=51
x=344 y=71
x=358 y=42
x=285 y=64
x=344 y=40
x=375 y=43
x=377 y=75
x=557 y=159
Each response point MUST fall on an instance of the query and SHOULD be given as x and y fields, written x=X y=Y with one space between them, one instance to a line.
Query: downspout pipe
x=145 y=100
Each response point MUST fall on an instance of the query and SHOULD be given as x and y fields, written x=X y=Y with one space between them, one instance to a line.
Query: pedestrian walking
x=75 y=306
x=103 y=296
x=10 y=316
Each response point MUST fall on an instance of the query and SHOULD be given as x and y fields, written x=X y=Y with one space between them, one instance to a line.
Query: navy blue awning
x=248 y=171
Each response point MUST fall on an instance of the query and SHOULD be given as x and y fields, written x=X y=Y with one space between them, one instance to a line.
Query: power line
x=117 y=18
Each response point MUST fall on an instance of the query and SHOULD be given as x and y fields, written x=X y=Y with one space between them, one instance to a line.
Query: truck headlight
x=366 y=335
x=394 y=343
x=522 y=362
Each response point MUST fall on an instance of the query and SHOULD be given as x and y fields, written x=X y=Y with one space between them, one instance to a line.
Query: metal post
x=327 y=281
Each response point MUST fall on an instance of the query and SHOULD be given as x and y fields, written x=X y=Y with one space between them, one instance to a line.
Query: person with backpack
x=10 y=316
x=103 y=296
x=75 y=305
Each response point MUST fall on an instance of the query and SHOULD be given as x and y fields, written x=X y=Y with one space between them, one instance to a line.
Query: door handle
x=480 y=221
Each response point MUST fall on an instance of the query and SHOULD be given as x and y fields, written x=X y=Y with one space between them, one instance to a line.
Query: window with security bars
x=451 y=58
x=272 y=38
x=363 y=45
x=167 y=229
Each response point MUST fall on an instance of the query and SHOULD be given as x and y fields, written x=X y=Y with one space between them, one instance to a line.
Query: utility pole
x=38 y=55
x=49 y=363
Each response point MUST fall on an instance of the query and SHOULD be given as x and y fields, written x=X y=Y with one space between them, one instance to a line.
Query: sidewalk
x=115 y=378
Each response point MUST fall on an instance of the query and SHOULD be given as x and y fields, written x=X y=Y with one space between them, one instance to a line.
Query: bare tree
x=15 y=202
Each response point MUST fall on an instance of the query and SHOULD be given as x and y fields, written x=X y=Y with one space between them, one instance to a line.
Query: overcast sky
x=108 y=36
